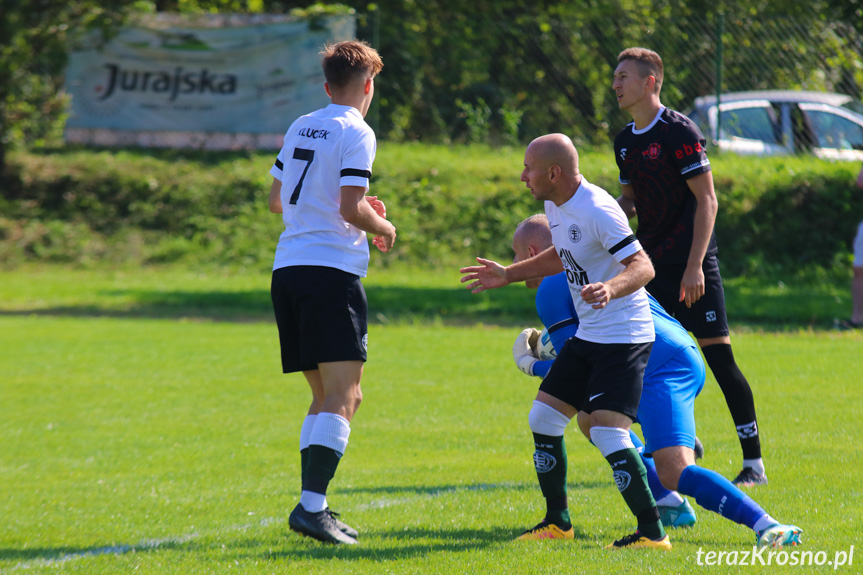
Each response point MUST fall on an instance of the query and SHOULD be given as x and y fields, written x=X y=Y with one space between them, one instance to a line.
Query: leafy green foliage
x=449 y=204
x=786 y=213
x=35 y=37
x=496 y=71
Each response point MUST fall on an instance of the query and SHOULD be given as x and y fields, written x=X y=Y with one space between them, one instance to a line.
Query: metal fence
x=523 y=76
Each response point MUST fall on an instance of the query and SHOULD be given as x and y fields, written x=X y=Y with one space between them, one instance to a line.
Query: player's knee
x=356 y=397
x=546 y=420
x=669 y=476
x=583 y=420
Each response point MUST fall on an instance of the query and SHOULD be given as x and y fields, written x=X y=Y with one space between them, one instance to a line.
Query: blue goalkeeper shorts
x=667 y=408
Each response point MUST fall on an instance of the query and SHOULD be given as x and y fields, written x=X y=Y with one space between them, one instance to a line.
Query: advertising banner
x=226 y=84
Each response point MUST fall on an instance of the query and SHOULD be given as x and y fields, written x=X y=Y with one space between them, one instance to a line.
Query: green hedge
x=449 y=204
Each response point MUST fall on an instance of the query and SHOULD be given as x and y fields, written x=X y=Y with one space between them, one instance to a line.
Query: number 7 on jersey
x=307 y=156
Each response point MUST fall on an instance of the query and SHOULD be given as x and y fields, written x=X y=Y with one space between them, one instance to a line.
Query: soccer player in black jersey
x=666 y=180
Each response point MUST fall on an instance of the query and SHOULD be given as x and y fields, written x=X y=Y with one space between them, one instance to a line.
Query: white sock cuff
x=331 y=430
x=306 y=431
x=763 y=523
x=673 y=499
x=755 y=464
x=546 y=420
x=610 y=439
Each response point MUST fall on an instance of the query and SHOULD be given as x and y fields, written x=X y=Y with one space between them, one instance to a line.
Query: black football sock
x=320 y=469
x=738 y=396
x=304 y=464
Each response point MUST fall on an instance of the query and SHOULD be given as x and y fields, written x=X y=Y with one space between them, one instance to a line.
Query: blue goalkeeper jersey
x=557 y=313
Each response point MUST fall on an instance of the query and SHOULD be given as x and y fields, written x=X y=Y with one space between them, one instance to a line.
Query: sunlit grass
x=137 y=441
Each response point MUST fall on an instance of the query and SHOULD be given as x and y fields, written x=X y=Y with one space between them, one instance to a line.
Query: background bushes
x=449 y=204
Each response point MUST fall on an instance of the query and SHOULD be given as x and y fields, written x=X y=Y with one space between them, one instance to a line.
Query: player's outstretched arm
x=487 y=275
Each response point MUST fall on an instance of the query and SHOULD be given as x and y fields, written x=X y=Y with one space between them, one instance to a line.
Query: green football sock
x=630 y=475
x=549 y=459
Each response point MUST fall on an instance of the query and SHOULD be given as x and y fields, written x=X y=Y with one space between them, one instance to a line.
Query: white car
x=781 y=122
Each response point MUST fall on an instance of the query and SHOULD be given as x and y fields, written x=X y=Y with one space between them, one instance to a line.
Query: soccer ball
x=544 y=347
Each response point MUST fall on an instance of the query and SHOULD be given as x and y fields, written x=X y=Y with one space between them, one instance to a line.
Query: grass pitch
x=146 y=428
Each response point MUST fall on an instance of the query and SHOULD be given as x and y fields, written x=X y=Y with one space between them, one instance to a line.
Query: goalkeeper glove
x=521 y=351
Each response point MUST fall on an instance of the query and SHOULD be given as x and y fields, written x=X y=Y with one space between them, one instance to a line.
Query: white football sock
x=331 y=430
x=306 y=431
x=610 y=439
x=764 y=523
x=673 y=499
x=313 y=502
x=546 y=420
x=756 y=464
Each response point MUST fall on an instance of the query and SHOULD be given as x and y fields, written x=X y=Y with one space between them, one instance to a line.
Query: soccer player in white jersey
x=320 y=179
x=674 y=376
x=600 y=370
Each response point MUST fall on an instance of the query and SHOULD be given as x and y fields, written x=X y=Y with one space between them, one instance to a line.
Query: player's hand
x=487 y=275
x=377 y=205
x=597 y=295
x=385 y=242
x=522 y=353
x=692 y=285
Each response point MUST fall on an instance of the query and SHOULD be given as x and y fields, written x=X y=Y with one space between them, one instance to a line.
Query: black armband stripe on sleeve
x=622 y=244
x=279 y=164
x=354 y=172
x=562 y=324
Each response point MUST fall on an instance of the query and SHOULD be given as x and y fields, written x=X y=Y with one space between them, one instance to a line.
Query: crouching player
x=674 y=376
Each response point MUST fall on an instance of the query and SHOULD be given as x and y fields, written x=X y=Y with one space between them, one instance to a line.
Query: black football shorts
x=591 y=376
x=706 y=318
x=321 y=314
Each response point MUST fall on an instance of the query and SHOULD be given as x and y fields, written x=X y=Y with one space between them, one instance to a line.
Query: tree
x=35 y=36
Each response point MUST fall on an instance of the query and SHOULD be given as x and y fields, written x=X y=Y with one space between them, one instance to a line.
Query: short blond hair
x=648 y=62
x=347 y=62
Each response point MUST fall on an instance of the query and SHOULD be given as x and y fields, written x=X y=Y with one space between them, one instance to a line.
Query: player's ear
x=327 y=89
x=368 y=87
x=651 y=83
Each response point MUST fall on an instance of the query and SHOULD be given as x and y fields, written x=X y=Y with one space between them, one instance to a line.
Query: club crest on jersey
x=653 y=151
x=574 y=234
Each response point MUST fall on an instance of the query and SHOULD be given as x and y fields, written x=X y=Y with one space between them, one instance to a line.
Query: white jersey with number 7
x=323 y=151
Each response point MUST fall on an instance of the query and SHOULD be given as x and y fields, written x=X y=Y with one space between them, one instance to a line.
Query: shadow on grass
x=455 y=306
x=437 y=490
x=32 y=557
x=399 y=544
x=751 y=306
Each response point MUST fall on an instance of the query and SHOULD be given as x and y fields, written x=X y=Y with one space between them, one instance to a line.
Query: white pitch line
x=385 y=502
x=151 y=544
x=145 y=545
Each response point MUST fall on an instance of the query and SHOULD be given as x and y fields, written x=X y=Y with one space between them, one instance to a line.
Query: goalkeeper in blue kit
x=674 y=376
